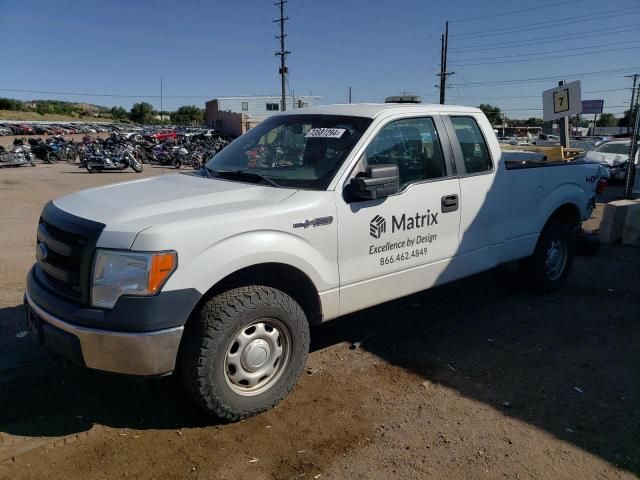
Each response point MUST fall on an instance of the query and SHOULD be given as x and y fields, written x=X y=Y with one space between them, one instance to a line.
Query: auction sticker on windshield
x=325 y=133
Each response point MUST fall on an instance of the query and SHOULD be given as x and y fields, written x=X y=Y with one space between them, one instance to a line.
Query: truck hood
x=128 y=208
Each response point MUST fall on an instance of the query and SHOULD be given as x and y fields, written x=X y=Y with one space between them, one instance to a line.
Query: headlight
x=118 y=273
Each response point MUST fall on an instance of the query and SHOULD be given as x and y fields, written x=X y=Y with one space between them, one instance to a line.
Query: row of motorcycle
x=116 y=152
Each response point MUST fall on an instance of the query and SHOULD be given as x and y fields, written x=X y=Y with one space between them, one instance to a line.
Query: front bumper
x=133 y=353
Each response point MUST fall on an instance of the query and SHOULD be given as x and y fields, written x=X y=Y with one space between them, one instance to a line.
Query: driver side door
x=401 y=244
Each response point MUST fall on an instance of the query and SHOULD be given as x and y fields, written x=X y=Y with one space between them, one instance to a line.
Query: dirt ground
x=476 y=379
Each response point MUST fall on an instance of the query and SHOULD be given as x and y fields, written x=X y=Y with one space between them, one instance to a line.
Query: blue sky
x=209 y=48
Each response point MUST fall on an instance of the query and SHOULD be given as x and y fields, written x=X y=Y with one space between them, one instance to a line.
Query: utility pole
x=631 y=166
x=161 y=99
x=444 y=46
x=282 y=53
x=349 y=93
x=633 y=101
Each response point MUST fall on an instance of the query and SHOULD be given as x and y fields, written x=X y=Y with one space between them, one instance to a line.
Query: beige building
x=235 y=115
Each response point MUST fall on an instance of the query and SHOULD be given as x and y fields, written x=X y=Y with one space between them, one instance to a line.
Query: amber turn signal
x=162 y=265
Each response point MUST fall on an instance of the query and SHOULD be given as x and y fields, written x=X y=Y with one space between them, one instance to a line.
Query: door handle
x=449 y=203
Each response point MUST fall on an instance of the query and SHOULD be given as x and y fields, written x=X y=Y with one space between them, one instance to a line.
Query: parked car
x=163 y=135
x=311 y=215
x=615 y=156
x=24 y=129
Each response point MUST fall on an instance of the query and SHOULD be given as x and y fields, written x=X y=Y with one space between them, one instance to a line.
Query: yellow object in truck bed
x=552 y=154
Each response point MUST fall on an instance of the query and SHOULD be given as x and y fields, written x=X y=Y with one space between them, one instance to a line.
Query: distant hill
x=72 y=106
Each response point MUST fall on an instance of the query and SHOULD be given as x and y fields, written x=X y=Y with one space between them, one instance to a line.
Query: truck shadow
x=564 y=363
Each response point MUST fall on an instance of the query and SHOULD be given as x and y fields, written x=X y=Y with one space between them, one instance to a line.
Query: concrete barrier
x=631 y=228
x=615 y=217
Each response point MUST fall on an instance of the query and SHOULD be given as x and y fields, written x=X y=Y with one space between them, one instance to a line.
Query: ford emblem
x=41 y=252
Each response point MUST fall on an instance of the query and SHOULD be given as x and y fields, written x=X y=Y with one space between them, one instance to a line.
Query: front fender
x=243 y=250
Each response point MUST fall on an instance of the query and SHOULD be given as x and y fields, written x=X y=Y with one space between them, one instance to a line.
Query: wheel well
x=286 y=278
x=568 y=213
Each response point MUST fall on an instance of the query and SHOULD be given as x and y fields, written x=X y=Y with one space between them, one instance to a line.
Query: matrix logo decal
x=377 y=226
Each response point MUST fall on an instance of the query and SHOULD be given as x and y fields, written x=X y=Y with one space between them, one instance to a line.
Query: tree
x=626 y=120
x=118 y=113
x=607 y=120
x=187 y=115
x=534 y=122
x=141 y=112
x=492 y=112
x=11 y=104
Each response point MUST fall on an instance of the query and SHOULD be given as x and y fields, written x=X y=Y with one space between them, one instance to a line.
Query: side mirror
x=378 y=181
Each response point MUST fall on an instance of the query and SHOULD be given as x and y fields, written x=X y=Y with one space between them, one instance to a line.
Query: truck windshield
x=299 y=151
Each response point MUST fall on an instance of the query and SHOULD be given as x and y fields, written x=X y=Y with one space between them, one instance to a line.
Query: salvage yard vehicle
x=313 y=214
x=19 y=155
x=117 y=158
x=615 y=156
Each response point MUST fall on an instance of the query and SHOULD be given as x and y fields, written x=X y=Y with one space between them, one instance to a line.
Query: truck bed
x=519 y=156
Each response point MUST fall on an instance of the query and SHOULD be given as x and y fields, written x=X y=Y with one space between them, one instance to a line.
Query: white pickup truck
x=313 y=214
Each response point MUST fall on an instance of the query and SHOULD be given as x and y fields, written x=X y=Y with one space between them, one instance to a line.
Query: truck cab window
x=413 y=145
x=474 y=148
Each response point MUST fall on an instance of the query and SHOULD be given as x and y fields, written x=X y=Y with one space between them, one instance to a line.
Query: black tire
x=177 y=164
x=538 y=273
x=212 y=335
x=195 y=164
x=90 y=169
x=50 y=157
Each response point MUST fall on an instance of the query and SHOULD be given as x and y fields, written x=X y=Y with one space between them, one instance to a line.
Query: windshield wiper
x=245 y=174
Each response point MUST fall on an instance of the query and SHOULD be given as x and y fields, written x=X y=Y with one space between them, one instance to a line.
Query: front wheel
x=136 y=166
x=50 y=157
x=244 y=351
x=549 y=266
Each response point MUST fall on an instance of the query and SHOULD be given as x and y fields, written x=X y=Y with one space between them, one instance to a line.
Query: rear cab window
x=474 y=150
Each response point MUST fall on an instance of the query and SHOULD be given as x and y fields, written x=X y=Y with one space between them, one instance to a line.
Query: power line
x=548 y=24
x=517 y=97
x=548 y=57
x=524 y=54
x=85 y=94
x=547 y=39
x=599 y=73
x=18 y=90
x=546 y=5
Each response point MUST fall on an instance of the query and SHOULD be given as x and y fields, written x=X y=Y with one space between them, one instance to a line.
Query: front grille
x=65 y=247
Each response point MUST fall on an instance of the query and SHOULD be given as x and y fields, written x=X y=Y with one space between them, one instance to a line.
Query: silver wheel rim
x=556 y=259
x=257 y=357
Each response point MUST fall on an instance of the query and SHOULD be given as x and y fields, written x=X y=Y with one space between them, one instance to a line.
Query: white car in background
x=613 y=155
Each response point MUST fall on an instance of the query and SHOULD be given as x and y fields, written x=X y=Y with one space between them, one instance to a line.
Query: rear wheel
x=244 y=351
x=549 y=266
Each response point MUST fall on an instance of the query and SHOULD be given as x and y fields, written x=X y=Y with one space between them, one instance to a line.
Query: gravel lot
x=477 y=379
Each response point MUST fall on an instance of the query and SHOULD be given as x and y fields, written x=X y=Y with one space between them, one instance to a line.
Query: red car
x=163 y=135
x=25 y=129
